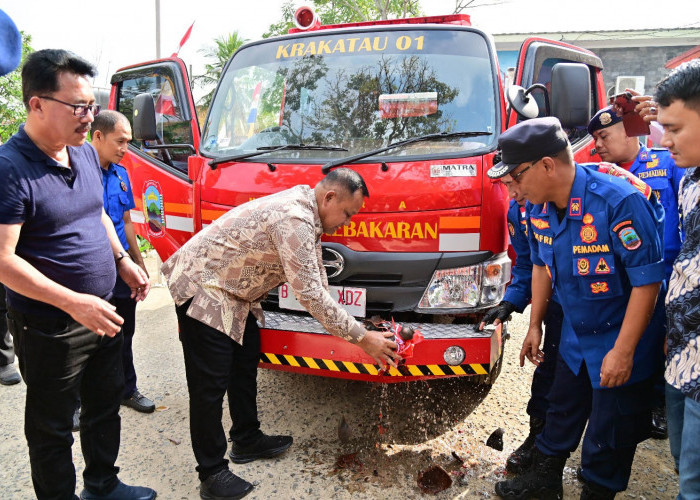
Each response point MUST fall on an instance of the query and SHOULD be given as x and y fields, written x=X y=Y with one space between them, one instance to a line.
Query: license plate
x=353 y=300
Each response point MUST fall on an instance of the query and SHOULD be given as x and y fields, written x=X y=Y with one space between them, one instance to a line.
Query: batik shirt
x=683 y=298
x=228 y=268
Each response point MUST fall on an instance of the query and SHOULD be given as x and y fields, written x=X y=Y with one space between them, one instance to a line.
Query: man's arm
x=617 y=363
x=541 y=295
x=302 y=267
x=90 y=311
x=129 y=271
x=134 y=251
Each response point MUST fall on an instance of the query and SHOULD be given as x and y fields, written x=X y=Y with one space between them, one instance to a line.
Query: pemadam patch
x=589 y=234
x=583 y=266
x=600 y=287
x=511 y=229
x=628 y=236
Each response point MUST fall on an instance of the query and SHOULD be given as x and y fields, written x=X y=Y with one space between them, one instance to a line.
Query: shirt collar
x=26 y=146
x=317 y=217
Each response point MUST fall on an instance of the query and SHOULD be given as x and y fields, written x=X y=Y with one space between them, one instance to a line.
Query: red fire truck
x=416 y=107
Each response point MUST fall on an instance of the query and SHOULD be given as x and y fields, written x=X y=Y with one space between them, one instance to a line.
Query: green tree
x=12 y=112
x=347 y=11
x=225 y=46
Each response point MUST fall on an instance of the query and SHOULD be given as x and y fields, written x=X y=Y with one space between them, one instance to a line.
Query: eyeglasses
x=517 y=176
x=80 y=110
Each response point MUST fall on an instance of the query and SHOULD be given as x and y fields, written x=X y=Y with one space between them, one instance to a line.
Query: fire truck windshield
x=359 y=91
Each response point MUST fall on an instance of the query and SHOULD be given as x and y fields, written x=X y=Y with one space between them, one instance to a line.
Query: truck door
x=536 y=59
x=164 y=193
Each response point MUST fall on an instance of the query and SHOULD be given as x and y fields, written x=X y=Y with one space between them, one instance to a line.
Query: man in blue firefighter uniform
x=655 y=167
x=516 y=298
x=597 y=241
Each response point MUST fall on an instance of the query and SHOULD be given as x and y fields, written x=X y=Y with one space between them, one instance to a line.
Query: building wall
x=637 y=61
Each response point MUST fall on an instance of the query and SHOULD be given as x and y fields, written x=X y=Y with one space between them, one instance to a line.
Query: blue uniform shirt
x=607 y=242
x=519 y=291
x=117 y=198
x=657 y=168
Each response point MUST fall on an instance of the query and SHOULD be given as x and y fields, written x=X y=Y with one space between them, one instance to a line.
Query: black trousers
x=7 y=350
x=63 y=362
x=216 y=365
x=126 y=308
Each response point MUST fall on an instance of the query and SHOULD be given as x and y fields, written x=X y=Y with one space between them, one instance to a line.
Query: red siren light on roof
x=305 y=18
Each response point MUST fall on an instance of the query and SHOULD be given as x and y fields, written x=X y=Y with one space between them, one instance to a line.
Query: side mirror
x=523 y=104
x=144 y=118
x=571 y=94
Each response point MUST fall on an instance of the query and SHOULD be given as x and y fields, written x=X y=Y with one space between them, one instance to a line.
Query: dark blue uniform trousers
x=618 y=419
x=543 y=377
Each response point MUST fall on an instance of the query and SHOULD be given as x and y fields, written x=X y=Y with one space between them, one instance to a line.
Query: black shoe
x=521 y=459
x=76 y=420
x=122 y=492
x=592 y=491
x=224 y=485
x=659 y=427
x=264 y=447
x=139 y=402
x=543 y=480
x=8 y=375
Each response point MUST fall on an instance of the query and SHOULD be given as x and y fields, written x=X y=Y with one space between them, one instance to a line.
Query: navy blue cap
x=10 y=45
x=603 y=119
x=528 y=141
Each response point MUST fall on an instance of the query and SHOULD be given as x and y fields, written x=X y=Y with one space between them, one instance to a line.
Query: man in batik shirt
x=678 y=97
x=218 y=279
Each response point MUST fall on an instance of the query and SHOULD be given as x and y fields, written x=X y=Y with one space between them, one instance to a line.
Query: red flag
x=184 y=39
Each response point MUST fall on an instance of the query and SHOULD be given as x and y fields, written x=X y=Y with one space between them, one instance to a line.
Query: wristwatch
x=121 y=255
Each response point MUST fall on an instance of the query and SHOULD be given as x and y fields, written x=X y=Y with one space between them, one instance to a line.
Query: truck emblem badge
x=335 y=264
x=153 y=209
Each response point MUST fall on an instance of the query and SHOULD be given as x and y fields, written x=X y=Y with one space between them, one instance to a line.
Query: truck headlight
x=454 y=355
x=477 y=286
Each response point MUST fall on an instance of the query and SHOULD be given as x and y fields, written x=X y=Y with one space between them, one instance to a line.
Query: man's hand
x=616 y=368
x=646 y=107
x=135 y=277
x=380 y=346
x=531 y=346
x=95 y=314
x=497 y=314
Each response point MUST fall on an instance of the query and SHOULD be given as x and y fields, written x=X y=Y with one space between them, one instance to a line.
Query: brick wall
x=638 y=61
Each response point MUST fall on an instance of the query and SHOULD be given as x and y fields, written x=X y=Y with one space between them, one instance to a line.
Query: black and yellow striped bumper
x=368 y=369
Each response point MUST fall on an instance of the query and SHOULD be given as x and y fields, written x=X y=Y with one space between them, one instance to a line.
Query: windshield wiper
x=271 y=149
x=442 y=135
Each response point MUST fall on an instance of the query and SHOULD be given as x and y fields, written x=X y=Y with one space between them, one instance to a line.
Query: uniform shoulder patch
x=636 y=182
x=511 y=229
x=628 y=236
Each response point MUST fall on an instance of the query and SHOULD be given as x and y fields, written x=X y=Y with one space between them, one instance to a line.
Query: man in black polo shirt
x=57 y=259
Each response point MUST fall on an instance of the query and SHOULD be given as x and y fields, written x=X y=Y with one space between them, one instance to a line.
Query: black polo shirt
x=60 y=209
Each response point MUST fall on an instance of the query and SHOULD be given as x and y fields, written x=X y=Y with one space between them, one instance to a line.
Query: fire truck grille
x=300 y=323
